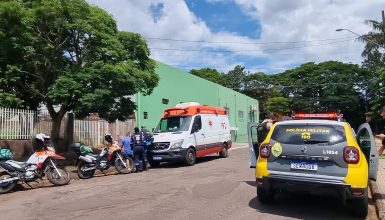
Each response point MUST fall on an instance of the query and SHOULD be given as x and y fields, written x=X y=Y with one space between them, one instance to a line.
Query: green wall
x=178 y=86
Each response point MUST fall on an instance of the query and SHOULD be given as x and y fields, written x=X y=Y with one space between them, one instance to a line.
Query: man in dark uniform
x=138 y=144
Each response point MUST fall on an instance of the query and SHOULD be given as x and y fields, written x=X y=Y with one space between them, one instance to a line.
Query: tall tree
x=210 y=74
x=260 y=86
x=70 y=56
x=235 y=78
x=374 y=60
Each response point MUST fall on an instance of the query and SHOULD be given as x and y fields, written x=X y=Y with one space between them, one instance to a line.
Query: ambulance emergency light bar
x=329 y=116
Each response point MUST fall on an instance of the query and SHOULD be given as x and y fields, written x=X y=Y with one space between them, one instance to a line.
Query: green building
x=176 y=86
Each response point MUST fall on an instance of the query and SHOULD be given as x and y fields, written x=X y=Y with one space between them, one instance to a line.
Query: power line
x=234 y=51
x=289 y=54
x=256 y=43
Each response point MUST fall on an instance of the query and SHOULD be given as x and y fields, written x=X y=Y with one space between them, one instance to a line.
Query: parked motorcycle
x=89 y=162
x=39 y=164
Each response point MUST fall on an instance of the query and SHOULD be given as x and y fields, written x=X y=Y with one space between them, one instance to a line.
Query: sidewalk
x=378 y=187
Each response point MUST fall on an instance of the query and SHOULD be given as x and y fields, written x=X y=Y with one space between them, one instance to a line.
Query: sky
x=267 y=36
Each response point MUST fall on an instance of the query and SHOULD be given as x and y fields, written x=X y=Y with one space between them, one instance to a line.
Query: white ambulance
x=188 y=131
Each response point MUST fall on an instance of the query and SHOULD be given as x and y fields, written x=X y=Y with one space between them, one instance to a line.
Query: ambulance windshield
x=173 y=124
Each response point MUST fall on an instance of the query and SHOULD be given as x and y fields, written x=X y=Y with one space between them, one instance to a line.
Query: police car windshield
x=309 y=134
x=173 y=124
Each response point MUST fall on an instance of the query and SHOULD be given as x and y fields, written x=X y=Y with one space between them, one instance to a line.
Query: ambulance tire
x=154 y=163
x=224 y=152
x=190 y=157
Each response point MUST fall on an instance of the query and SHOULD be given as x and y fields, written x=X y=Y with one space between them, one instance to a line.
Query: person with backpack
x=138 y=143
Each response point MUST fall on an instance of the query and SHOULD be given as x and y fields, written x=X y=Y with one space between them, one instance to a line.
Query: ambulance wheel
x=190 y=157
x=154 y=163
x=224 y=152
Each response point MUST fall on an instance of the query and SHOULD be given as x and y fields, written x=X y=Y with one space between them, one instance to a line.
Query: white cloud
x=281 y=21
x=312 y=20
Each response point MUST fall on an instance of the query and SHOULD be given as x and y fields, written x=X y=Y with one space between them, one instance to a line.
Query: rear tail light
x=264 y=150
x=351 y=155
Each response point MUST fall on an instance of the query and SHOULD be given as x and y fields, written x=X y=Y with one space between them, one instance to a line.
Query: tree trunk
x=55 y=133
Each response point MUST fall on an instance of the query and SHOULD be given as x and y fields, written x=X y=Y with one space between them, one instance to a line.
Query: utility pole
x=383 y=24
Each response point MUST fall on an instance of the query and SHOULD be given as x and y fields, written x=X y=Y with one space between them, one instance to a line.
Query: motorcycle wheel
x=121 y=168
x=55 y=179
x=85 y=174
x=7 y=188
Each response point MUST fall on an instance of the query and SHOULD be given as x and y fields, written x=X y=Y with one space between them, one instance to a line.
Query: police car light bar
x=332 y=115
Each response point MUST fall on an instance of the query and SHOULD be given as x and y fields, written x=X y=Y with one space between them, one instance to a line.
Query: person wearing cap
x=138 y=143
x=382 y=135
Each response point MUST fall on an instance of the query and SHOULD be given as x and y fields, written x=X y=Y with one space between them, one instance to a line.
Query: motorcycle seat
x=93 y=155
x=22 y=163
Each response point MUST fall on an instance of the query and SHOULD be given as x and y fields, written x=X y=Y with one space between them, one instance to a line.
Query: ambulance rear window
x=309 y=134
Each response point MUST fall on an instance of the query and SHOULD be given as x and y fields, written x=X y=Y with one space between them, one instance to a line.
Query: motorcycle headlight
x=177 y=144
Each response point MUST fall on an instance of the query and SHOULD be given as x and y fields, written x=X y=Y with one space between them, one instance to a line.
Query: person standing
x=382 y=135
x=126 y=145
x=262 y=130
x=138 y=143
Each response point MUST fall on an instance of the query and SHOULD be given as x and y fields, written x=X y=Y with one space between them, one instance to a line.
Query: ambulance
x=188 y=131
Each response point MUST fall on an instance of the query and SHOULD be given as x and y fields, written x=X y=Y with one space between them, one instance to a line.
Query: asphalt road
x=212 y=189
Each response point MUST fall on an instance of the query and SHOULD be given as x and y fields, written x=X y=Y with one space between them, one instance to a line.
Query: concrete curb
x=378 y=199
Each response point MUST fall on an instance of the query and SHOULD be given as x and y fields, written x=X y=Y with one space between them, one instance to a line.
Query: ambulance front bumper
x=168 y=155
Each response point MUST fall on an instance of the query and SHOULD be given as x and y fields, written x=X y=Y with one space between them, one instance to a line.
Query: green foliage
x=235 y=78
x=277 y=105
x=375 y=62
x=70 y=54
x=211 y=75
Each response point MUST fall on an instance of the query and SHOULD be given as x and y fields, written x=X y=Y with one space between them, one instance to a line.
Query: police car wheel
x=190 y=157
x=224 y=152
x=264 y=195
x=360 y=207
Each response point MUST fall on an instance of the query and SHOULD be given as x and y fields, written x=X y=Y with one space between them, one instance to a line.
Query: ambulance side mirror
x=195 y=128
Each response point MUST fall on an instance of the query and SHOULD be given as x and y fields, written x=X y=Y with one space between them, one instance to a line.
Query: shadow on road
x=303 y=206
x=181 y=164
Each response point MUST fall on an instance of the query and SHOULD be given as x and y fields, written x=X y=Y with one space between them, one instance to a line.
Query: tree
x=210 y=74
x=235 y=78
x=327 y=86
x=70 y=56
x=278 y=105
x=375 y=61
x=374 y=39
x=260 y=86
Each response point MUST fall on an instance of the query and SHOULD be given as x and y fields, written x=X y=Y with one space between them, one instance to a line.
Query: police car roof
x=311 y=121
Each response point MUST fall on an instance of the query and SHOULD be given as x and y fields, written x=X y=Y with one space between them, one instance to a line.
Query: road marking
x=235 y=148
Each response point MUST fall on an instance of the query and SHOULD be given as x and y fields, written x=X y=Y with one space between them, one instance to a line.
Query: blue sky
x=225 y=16
x=263 y=35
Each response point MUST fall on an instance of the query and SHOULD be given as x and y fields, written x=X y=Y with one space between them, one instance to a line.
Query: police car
x=319 y=154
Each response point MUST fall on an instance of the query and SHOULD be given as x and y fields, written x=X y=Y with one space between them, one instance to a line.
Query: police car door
x=366 y=141
x=253 y=143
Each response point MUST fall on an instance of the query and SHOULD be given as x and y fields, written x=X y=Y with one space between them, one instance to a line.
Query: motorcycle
x=88 y=162
x=38 y=165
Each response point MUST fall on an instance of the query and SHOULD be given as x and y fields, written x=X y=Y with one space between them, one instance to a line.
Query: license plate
x=156 y=158
x=298 y=165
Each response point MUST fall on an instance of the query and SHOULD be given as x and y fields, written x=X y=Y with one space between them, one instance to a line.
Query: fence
x=90 y=131
x=18 y=124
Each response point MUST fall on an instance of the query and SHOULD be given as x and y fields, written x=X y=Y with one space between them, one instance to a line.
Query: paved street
x=212 y=189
